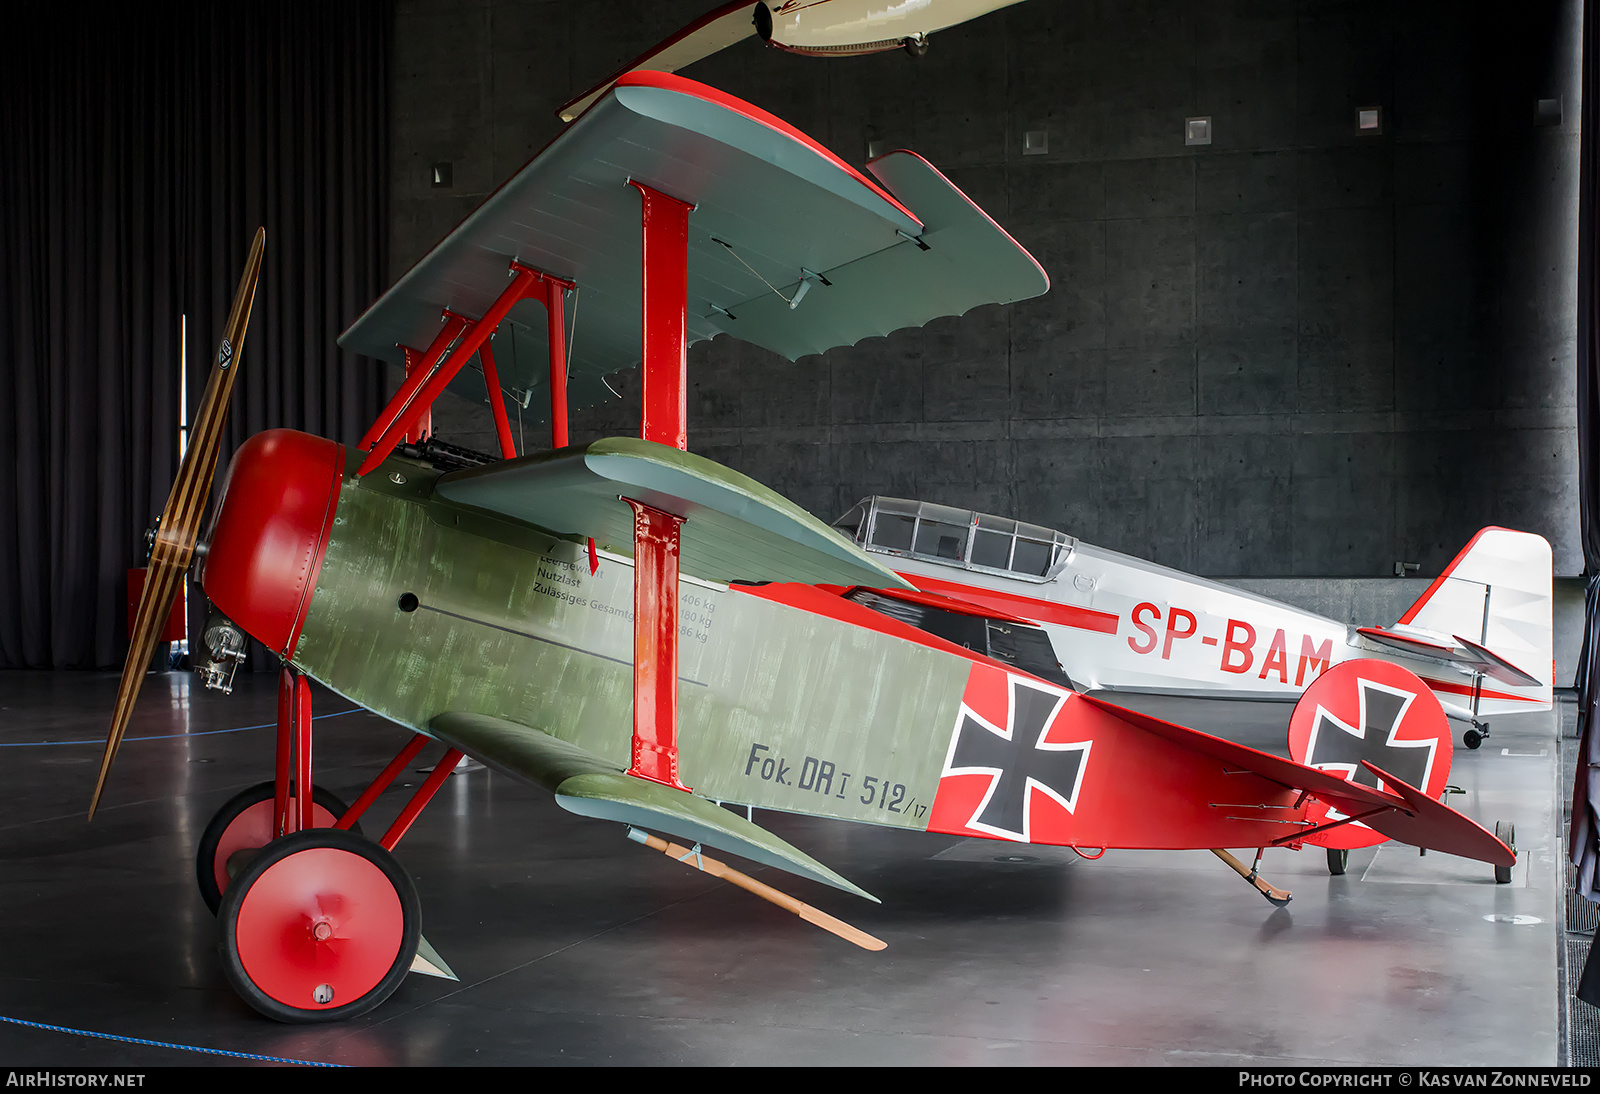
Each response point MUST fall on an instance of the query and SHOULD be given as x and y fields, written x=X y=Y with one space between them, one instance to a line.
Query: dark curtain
x=1584 y=844
x=140 y=147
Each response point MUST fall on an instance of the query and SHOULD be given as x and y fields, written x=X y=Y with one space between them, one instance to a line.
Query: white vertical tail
x=1496 y=593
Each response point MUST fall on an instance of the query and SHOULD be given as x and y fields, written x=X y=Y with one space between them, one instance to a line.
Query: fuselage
x=1123 y=624
x=791 y=697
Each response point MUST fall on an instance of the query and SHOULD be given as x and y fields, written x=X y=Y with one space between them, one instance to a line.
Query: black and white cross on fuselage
x=1020 y=759
x=1334 y=744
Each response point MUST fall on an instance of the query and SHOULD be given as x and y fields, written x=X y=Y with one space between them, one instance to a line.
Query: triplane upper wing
x=788 y=247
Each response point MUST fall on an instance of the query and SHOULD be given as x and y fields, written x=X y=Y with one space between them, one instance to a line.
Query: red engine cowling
x=270 y=531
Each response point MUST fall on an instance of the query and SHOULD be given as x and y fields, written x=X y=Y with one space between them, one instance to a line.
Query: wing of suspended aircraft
x=816 y=28
x=789 y=248
x=714 y=31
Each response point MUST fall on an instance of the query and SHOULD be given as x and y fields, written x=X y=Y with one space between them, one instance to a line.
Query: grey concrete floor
x=575 y=946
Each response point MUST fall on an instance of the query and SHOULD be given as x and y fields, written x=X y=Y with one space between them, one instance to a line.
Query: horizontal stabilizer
x=1492 y=664
x=1406 y=815
x=590 y=786
x=735 y=529
x=1466 y=655
x=1434 y=825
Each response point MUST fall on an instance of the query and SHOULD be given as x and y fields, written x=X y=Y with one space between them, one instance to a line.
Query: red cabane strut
x=663 y=419
x=436 y=366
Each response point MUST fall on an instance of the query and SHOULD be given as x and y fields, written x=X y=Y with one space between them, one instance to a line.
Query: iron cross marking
x=1019 y=759
x=1333 y=743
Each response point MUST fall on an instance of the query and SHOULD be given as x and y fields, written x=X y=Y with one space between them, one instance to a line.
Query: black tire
x=1472 y=738
x=1506 y=833
x=282 y=853
x=1338 y=860
x=206 y=854
x=916 y=47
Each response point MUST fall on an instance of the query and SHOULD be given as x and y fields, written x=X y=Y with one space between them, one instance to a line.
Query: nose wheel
x=246 y=823
x=320 y=926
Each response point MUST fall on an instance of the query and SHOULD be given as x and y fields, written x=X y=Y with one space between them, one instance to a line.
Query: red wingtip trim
x=668 y=81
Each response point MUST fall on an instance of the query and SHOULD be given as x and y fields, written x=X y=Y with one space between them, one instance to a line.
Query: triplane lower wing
x=639 y=630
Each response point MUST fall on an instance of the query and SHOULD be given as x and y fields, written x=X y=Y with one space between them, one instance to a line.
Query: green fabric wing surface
x=735 y=529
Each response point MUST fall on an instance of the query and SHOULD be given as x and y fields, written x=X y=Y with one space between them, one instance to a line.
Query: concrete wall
x=1301 y=350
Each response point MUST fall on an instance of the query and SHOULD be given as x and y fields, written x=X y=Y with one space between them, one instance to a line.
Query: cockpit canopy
x=957 y=537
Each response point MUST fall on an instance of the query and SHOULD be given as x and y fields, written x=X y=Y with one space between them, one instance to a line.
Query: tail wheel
x=1506 y=833
x=321 y=926
x=1338 y=860
x=244 y=824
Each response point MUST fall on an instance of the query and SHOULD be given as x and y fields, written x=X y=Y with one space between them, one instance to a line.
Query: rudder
x=1497 y=592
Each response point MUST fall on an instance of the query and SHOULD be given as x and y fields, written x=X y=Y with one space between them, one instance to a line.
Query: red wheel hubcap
x=320 y=928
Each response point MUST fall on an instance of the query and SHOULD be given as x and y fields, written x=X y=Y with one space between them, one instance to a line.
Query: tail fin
x=1495 y=594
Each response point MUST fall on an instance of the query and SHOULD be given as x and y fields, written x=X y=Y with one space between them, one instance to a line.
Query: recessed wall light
x=1197 y=130
x=1036 y=142
x=1369 y=119
x=1548 y=112
x=440 y=176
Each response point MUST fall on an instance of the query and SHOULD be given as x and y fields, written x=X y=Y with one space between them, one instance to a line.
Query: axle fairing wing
x=771 y=207
x=590 y=786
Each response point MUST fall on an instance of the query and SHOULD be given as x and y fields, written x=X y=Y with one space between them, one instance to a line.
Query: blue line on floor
x=169 y=1044
x=171 y=736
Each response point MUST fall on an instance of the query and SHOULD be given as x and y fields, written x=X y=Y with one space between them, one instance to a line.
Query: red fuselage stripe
x=1041 y=611
x=1466 y=689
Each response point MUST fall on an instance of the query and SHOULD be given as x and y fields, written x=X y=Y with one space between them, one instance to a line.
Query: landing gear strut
x=1475 y=736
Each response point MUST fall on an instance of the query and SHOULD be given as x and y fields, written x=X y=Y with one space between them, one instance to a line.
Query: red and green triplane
x=640 y=630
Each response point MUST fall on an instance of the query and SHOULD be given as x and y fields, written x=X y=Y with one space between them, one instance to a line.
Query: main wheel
x=1472 y=738
x=1506 y=833
x=1338 y=860
x=320 y=926
x=245 y=823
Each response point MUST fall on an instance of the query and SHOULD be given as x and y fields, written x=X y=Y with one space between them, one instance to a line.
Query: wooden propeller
x=179 y=529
